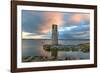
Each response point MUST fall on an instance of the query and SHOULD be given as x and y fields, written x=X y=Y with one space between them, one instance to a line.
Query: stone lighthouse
x=54 y=40
x=54 y=34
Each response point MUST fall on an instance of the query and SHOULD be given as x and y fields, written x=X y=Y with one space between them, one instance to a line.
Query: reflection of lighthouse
x=54 y=35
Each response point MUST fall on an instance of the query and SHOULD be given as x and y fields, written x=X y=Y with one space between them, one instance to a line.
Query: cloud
x=76 y=19
x=69 y=28
x=50 y=18
x=38 y=24
x=74 y=35
x=27 y=35
x=80 y=31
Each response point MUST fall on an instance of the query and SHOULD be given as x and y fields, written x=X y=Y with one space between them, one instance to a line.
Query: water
x=32 y=47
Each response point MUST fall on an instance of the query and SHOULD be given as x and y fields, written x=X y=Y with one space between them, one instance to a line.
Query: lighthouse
x=54 y=40
x=54 y=34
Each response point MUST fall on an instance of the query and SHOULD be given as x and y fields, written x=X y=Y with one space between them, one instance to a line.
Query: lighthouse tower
x=54 y=34
x=54 y=40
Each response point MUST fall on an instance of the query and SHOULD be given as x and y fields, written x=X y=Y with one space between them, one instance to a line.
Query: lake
x=34 y=47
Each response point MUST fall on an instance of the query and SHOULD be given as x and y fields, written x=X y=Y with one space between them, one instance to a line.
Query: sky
x=38 y=24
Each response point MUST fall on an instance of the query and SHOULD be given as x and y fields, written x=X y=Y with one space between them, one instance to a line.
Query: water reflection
x=35 y=48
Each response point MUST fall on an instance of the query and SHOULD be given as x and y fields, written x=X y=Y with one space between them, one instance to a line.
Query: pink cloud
x=49 y=19
x=76 y=18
